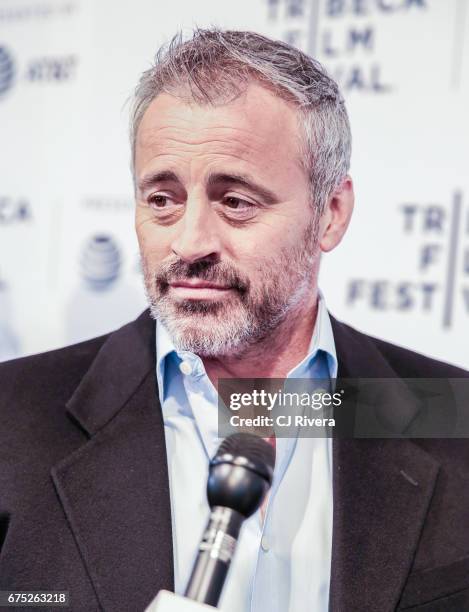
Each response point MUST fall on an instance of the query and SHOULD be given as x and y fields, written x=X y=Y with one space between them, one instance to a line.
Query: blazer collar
x=357 y=354
x=124 y=360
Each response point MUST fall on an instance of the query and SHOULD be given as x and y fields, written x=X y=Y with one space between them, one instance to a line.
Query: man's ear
x=336 y=216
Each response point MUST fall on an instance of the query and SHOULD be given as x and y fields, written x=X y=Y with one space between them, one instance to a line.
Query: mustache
x=215 y=272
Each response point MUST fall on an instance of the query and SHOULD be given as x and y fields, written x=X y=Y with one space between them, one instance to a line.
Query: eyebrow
x=150 y=180
x=214 y=180
x=242 y=180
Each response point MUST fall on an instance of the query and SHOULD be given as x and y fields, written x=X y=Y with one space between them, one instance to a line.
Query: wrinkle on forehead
x=256 y=125
x=192 y=135
x=153 y=142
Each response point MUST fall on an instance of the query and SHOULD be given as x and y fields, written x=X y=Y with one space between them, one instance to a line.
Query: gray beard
x=229 y=327
x=211 y=329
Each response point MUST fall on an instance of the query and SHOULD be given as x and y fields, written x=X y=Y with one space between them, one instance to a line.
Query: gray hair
x=215 y=66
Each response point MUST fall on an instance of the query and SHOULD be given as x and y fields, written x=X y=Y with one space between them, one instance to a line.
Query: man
x=241 y=149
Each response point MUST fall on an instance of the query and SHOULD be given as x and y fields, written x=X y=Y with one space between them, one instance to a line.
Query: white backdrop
x=68 y=256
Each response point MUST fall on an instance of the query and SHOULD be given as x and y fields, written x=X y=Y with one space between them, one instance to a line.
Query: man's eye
x=159 y=201
x=238 y=204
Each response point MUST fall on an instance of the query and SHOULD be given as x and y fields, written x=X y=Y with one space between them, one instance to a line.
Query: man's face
x=227 y=234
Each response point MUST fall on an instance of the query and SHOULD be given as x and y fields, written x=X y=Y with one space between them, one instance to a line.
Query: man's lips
x=198 y=289
x=198 y=284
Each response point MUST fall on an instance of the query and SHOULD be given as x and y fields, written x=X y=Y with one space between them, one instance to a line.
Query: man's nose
x=197 y=236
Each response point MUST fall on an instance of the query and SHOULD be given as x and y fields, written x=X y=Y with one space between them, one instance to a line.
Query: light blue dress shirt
x=282 y=563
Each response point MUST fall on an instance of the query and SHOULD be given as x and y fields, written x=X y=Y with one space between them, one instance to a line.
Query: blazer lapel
x=114 y=489
x=382 y=490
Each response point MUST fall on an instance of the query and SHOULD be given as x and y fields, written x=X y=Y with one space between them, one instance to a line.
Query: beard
x=251 y=310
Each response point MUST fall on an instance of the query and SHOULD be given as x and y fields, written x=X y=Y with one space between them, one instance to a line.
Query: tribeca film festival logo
x=50 y=69
x=442 y=257
x=343 y=34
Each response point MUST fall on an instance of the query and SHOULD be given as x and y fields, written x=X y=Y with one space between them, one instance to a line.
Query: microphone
x=240 y=474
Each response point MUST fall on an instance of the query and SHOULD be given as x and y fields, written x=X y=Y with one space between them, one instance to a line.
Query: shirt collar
x=322 y=340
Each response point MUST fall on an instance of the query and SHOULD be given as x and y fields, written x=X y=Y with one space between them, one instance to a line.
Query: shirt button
x=265 y=543
x=185 y=367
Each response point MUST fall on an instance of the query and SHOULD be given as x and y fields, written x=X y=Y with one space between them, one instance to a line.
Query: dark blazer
x=84 y=494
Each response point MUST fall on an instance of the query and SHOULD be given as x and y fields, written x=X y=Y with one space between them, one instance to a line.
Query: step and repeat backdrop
x=69 y=264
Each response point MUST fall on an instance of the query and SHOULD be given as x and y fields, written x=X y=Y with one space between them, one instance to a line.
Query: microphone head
x=240 y=473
